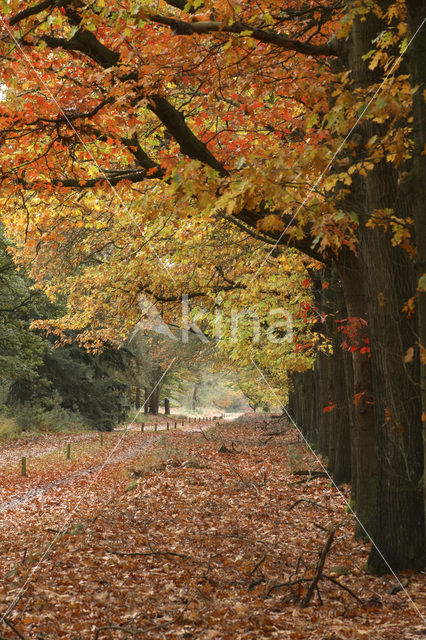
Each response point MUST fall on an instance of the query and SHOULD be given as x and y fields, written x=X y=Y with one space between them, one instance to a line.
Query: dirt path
x=46 y=451
x=124 y=452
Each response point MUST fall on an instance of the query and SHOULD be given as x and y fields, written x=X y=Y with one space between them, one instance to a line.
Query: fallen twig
x=257 y=565
x=317 y=577
x=311 y=472
x=250 y=483
x=240 y=537
x=14 y=629
x=289 y=584
x=203 y=434
x=271 y=435
x=147 y=553
x=135 y=632
x=342 y=586
x=316 y=504
x=310 y=475
x=318 y=526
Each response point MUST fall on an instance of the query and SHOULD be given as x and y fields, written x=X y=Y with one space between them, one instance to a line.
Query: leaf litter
x=211 y=534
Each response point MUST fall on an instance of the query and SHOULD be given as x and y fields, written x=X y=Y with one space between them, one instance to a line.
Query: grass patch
x=149 y=418
x=9 y=428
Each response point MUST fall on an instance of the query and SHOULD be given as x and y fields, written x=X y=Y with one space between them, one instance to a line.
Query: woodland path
x=192 y=536
x=47 y=450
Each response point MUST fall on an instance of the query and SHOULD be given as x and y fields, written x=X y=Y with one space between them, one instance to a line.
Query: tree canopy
x=246 y=155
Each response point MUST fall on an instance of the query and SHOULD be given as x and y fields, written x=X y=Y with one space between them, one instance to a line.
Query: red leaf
x=329 y=407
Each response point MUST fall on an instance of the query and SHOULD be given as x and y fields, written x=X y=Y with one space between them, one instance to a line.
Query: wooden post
x=142 y=426
x=69 y=451
x=175 y=424
x=183 y=423
x=155 y=427
x=101 y=439
x=23 y=466
x=167 y=426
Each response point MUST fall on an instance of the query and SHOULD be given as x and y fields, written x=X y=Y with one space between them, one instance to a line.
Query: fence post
x=69 y=451
x=155 y=427
x=167 y=426
x=23 y=466
x=101 y=439
x=142 y=426
x=175 y=424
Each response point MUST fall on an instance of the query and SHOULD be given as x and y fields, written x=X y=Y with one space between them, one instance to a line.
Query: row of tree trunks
x=386 y=460
x=151 y=402
x=388 y=403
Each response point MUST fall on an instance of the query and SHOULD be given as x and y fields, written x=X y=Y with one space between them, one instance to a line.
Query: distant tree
x=20 y=348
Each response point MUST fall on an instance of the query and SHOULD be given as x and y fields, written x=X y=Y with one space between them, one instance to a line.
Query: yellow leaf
x=375 y=60
x=409 y=355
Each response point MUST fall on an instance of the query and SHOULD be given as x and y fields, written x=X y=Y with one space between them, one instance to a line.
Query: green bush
x=57 y=419
x=72 y=387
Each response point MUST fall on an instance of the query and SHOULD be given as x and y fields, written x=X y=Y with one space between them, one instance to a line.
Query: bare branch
x=317 y=577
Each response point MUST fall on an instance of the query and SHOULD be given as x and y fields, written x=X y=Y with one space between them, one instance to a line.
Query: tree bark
x=390 y=282
x=194 y=401
x=154 y=396
x=416 y=54
x=364 y=449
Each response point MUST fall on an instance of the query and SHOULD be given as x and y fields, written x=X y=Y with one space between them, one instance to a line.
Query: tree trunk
x=166 y=406
x=400 y=518
x=389 y=276
x=364 y=442
x=194 y=402
x=416 y=54
x=154 y=401
x=341 y=418
x=138 y=398
x=154 y=396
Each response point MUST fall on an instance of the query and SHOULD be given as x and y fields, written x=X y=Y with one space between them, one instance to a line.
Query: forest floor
x=188 y=535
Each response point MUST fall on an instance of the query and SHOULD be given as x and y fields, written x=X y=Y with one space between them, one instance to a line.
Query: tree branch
x=87 y=43
x=32 y=11
x=112 y=179
x=194 y=294
x=190 y=145
x=180 y=27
